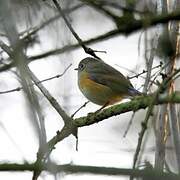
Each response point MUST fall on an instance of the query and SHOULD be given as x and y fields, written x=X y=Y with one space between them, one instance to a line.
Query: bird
x=102 y=84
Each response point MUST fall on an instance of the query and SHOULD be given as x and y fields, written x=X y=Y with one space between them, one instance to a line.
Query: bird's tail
x=134 y=92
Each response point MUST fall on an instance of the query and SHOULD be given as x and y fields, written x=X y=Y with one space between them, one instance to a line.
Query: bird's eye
x=81 y=66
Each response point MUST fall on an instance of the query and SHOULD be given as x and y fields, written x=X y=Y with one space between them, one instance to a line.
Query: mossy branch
x=135 y=104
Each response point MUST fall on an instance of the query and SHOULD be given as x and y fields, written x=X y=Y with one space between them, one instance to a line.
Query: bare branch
x=20 y=60
x=79 y=109
x=117 y=6
x=125 y=29
x=144 y=71
x=160 y=137
x=129 y=125
x=134 y=105
x=33 y=31
x=66 y=118
x=32 y=84
x=149 y=64
x=37 y=82
x=148 y=114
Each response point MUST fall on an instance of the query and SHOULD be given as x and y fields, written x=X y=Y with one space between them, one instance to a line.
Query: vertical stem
x=172 y=108
x=149 y=63
x=160 y=132
x=173 y=114
x=20 y=61
x=161 y=122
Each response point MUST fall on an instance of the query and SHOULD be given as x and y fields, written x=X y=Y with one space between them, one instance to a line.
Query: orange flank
x=97 y=93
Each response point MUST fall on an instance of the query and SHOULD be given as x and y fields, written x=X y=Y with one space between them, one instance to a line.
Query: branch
x=92 y=118
x=68 y=129
x=149 y=63
x=126 y=29
x=84 y=105
x=32 y=84
x=116 y=6
x=144 y=71
x=78 y=169
x=135 y=104
x=37 y=82
x=66 y=118
x=20 y=60
x=34 y=30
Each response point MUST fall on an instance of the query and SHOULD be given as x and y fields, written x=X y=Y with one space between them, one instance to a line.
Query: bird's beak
x=76 y=69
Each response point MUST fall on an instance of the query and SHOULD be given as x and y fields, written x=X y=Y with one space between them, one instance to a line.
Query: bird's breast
x=95 y=92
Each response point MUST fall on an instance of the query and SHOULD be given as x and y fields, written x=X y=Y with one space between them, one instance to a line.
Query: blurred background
x=102 y=144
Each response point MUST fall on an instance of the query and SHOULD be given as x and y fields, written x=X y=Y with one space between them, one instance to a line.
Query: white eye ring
x=81 y=66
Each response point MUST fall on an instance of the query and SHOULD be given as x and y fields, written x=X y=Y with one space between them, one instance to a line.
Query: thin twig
x=143 y=72
x=126 y=29
x=37 y=82
x=34 y=104
x=149 y=64
x=43 y=154
x=86 y=49
x=32 y=84
x=129 y=125
x=66 y=118
x=138 y=75
x=84 y=105
x=155 y=75
x=77 y=138
x=148 y=114
x=139 y=103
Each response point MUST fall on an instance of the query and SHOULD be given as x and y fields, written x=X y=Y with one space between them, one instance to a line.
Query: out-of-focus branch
x=20 y=61
x=134 y=105
x=68 y=129
x=149 y=64
x=127 y=21
x=125 y=29
x=115 y=5
x=66 y=118
x=42 y=155
x=34 y=30
x=155 y=96
x=99 y=7
x=160 y=133
x=78 y=169
x=37 y=82
x=32 y=84
x=162 y=121
x=173 y=120
x=144 y=71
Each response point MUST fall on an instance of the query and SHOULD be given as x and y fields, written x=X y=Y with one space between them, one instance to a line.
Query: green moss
x=135 y=104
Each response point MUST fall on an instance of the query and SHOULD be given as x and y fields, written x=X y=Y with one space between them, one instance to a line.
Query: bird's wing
x=108 y=76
